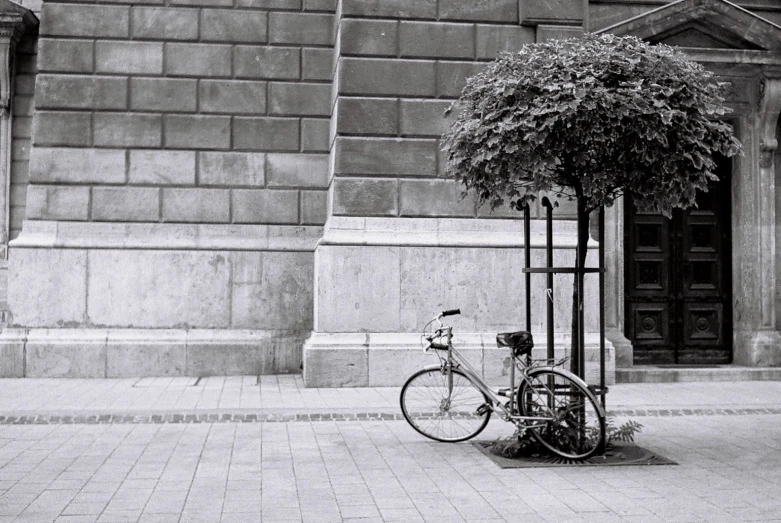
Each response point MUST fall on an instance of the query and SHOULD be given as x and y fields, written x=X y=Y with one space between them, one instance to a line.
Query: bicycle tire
x=425 y=406
x=577 y=428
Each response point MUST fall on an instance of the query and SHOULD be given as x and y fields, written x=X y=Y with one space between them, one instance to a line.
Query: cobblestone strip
x=102 y=419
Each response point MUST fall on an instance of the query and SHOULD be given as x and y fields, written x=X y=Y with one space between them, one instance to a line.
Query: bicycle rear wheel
x=441 y=412
x=575 y=429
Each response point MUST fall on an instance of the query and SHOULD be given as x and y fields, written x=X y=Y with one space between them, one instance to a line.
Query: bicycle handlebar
x=451 y=312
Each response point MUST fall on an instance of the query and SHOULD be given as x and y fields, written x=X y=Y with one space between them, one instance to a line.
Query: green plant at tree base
x=589 y=119
x=523 y=443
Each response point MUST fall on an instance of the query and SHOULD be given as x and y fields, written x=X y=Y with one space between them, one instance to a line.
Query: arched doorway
x=678 y=280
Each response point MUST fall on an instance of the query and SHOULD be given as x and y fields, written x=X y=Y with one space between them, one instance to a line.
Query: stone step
x=691 y=373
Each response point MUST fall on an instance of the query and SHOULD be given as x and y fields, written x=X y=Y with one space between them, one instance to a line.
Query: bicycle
x=450 y=402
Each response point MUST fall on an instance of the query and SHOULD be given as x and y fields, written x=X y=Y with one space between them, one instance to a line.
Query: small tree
x=589 y=119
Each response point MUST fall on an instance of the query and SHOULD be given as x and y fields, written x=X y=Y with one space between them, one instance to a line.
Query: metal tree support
x=578 y=354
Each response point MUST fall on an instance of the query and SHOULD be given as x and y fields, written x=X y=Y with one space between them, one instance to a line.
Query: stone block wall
x=183 y=112
x=400 y=65
x=178 y=174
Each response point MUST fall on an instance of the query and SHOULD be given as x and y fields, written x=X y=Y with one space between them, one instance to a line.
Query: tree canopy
x=590 y=118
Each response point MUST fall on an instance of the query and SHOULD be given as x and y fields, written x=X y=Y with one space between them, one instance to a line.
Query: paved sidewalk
x=239 y=449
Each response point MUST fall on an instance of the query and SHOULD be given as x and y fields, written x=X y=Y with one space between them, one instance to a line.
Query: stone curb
x=230 y=417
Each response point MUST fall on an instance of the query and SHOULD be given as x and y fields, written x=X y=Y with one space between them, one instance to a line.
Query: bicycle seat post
x=512 y=379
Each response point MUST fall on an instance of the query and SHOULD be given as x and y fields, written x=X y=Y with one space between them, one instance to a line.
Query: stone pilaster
x=757 y=340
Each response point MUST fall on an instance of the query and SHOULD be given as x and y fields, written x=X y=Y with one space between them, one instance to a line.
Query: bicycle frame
x=455 y=360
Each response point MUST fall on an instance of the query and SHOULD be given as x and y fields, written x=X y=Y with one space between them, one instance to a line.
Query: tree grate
x=620 y=455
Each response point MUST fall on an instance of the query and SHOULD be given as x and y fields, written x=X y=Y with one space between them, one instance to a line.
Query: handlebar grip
x=451 y=312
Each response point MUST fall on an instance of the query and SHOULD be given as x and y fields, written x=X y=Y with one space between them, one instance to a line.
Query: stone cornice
x=166 y=236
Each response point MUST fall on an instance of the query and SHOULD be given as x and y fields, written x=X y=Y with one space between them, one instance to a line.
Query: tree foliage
x=591 y=118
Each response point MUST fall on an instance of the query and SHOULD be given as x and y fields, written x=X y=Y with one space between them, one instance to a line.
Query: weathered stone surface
x=265 y=206
x=67 y=56
x=202 y=3
x=298 y=170
x=314 y=207
x=315 y=135
x=161 y=354
x=365 y=197
x=164 y=23
x=232 y=169
x=48 y=359
x=494 y=39
x=386 y=156
x=472 y=282
x=163 y=94
x=85 y=20
x=62 y=128
x=381 y=76
x=368 y=37
x=125 y=204
x=53 y=164
x=197 y=132
x=94 y=92
x=301 y=28
x=162 y=167
x=233 y=97
x=424 y=117
x=436 y=40
x=452 y=76
x=229 y=25
x=474 y=10
x=367 y=115
x=317 y=64
x=343 y=364
x=196 y=205
x=265 y=134
x=11 y=357
x=306 y=99
x=36 y=276
x=282 y=63
x=390 y=8
x=135 y=289
x=281 y=298
x=128 y=130
x=57 y=202
x=129 y=57
x=320 y=5
x=259 y=353
x=434 y=198
x=547 y=11
x=372 y=297
x=198 y=59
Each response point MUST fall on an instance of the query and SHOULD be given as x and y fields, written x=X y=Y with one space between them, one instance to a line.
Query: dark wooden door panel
x=678 y=280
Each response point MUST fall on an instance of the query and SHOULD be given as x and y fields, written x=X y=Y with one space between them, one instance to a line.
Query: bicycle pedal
x=483 y=409
x=504 y=392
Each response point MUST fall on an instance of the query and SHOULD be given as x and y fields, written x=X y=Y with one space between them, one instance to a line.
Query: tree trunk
x=576 y=365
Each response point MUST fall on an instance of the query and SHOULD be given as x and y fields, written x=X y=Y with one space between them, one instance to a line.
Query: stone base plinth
x=387 y=360
x=758 y=349
x=120 y=353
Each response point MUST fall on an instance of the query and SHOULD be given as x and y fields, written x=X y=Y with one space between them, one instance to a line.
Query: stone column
x=15 y=21
x=757 y=339
x=614 y=285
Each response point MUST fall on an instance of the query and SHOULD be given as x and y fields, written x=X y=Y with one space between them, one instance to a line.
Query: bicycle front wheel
x=570 y=423
x=443 y=410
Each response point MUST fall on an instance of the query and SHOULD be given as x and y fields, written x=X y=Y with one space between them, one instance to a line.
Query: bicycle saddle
x=521 y=341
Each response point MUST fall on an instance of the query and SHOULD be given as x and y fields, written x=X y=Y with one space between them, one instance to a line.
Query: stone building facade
x=199 y=187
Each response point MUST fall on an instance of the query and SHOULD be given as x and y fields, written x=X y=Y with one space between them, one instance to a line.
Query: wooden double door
x=678 y=280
